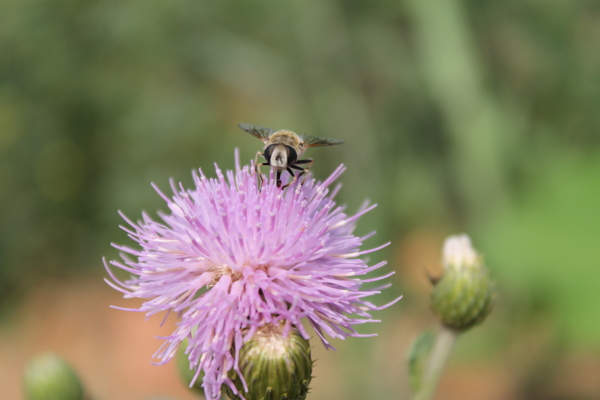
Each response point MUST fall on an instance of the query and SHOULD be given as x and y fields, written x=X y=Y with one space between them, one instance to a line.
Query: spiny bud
x=48 y=377
x=274 y=367
x=463 y=296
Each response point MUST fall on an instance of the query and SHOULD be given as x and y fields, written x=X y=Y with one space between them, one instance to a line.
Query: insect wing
x=315 y=141
x=258 y=132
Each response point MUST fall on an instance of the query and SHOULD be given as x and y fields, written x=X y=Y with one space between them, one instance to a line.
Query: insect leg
x=304 y=170
x=293 y=176
x=257 y=166
x=308 y=160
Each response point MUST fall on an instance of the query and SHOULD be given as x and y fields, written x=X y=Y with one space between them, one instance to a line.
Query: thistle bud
x=463 y=296
x=273 y=366
x=48 y=377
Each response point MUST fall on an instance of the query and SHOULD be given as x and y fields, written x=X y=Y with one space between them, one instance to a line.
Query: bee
x=283 y=150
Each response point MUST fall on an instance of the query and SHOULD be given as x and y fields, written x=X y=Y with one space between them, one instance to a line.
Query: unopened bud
x=273 y=366
x=48 y=377
x=463 y=297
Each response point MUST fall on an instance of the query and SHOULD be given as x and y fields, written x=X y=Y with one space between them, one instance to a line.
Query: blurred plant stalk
x=444 y=344
x=455 y=77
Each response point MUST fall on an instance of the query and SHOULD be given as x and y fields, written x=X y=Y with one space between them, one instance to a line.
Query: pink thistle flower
x=230 y=258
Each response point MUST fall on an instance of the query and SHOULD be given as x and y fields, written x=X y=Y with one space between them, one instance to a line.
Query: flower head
x=230 y=258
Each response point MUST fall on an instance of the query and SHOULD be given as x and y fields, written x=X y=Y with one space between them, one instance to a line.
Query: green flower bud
x=48 y=377
x=463 y=296
x=274 y=367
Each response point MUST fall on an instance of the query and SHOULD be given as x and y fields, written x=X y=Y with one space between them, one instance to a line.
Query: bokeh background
x=474 y=116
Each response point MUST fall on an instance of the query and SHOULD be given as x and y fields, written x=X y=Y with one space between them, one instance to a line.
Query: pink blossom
x=229 y=258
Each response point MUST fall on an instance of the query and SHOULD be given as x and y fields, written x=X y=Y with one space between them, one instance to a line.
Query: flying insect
x=283 y=150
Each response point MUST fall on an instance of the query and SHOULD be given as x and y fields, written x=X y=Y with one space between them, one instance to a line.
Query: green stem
x=442 y=349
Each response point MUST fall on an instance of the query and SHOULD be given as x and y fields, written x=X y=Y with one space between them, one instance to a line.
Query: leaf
x=417 y=357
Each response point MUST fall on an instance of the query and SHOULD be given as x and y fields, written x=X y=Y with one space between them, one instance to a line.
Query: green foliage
x=545 y=247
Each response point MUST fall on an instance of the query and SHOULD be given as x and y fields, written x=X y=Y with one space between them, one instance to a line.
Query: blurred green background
x=472 y=116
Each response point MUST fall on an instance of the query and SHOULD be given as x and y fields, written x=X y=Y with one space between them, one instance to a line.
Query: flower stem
x=444 y=343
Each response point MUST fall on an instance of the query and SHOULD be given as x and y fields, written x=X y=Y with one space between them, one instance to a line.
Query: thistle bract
x=230 y=258
x=273 y=367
